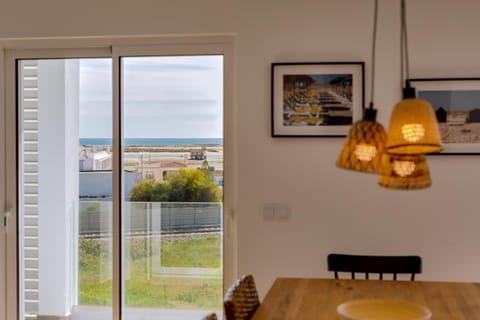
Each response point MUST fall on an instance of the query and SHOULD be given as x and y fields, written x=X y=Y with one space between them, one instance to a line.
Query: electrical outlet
x=268 y=212
x=282 y=212
x=276 y=211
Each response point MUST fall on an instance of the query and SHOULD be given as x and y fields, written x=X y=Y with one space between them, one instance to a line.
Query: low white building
x=98 y=184
x=92 y=161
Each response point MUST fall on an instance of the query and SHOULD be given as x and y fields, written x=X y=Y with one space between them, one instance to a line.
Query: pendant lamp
x=413 y=125
x=404 y=172
x=366 y=139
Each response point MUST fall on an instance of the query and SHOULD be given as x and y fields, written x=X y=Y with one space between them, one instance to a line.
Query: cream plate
x=378 y=309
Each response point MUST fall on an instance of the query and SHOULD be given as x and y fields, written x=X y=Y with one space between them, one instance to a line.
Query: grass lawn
x=148 y=283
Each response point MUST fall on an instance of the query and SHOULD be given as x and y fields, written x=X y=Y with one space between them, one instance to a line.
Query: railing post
x=194 y=216
x=148 y=239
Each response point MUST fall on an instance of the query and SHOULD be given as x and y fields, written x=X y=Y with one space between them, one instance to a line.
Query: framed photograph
x=320 y=99
x=456 y=103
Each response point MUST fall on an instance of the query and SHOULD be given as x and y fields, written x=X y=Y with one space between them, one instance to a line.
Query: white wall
x=332 y=210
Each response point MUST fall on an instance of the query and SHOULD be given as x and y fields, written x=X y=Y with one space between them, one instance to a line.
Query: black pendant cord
x=407 y=91
x=404 y=43
x=370 y=114
x=374 y=42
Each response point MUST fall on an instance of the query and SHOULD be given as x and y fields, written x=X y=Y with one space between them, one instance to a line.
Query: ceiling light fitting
x=413 y=125
x=413 y=128
x=366 y=139
x=404 y=172
x=413 y=132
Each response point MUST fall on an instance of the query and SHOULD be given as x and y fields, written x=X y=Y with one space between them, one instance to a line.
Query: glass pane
x=173 y=179
x=65 y=188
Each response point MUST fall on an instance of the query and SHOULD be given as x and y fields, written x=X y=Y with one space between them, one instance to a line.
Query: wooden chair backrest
x=212 y=316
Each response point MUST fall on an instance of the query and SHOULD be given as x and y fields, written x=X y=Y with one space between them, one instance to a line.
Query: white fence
x=150 y=217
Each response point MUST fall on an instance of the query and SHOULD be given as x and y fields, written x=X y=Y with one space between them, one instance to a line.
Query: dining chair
x=374 y=264
x=241 y=300
x=212 y=316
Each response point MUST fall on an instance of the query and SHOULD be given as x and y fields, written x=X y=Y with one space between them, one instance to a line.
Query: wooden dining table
x=303 y=298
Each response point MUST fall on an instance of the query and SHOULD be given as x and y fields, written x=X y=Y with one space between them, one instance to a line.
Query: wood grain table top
x=301 y=298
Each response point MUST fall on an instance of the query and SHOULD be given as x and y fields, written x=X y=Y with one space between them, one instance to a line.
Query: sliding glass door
x=65 y=200
x=120 y=187
x=173 y=179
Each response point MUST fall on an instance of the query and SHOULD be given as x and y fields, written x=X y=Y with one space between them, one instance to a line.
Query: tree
x=194 y=185
x=149 y=190
x=188 y=185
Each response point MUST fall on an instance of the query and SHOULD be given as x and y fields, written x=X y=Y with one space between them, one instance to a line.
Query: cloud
x=179 y=96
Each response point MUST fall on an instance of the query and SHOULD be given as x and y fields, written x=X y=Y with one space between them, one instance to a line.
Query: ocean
x=153 y=141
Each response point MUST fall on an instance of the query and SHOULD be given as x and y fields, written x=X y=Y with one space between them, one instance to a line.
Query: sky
x=452 y=100
x=325 y=78
x=163 y=97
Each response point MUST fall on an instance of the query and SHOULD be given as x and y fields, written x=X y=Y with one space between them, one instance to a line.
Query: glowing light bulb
x=365 y=152
x=403 y=168
x=413 y=132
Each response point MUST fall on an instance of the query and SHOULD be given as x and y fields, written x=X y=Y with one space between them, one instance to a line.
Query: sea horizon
x=152 y=141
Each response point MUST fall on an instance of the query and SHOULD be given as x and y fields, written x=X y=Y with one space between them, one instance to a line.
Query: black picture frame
x=316 y=99
x=454 y=101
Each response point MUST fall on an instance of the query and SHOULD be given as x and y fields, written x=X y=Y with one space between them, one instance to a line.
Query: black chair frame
x=374 y=264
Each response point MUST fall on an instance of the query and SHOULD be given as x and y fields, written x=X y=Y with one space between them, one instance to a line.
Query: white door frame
x=3 y=240
x=114 y=47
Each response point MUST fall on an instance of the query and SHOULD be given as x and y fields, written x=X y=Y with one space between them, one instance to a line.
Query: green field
x=154 y=273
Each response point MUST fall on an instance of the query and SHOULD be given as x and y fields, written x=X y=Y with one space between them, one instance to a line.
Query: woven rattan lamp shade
x=404 y=172
x=413 y=128
x=363 y=147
